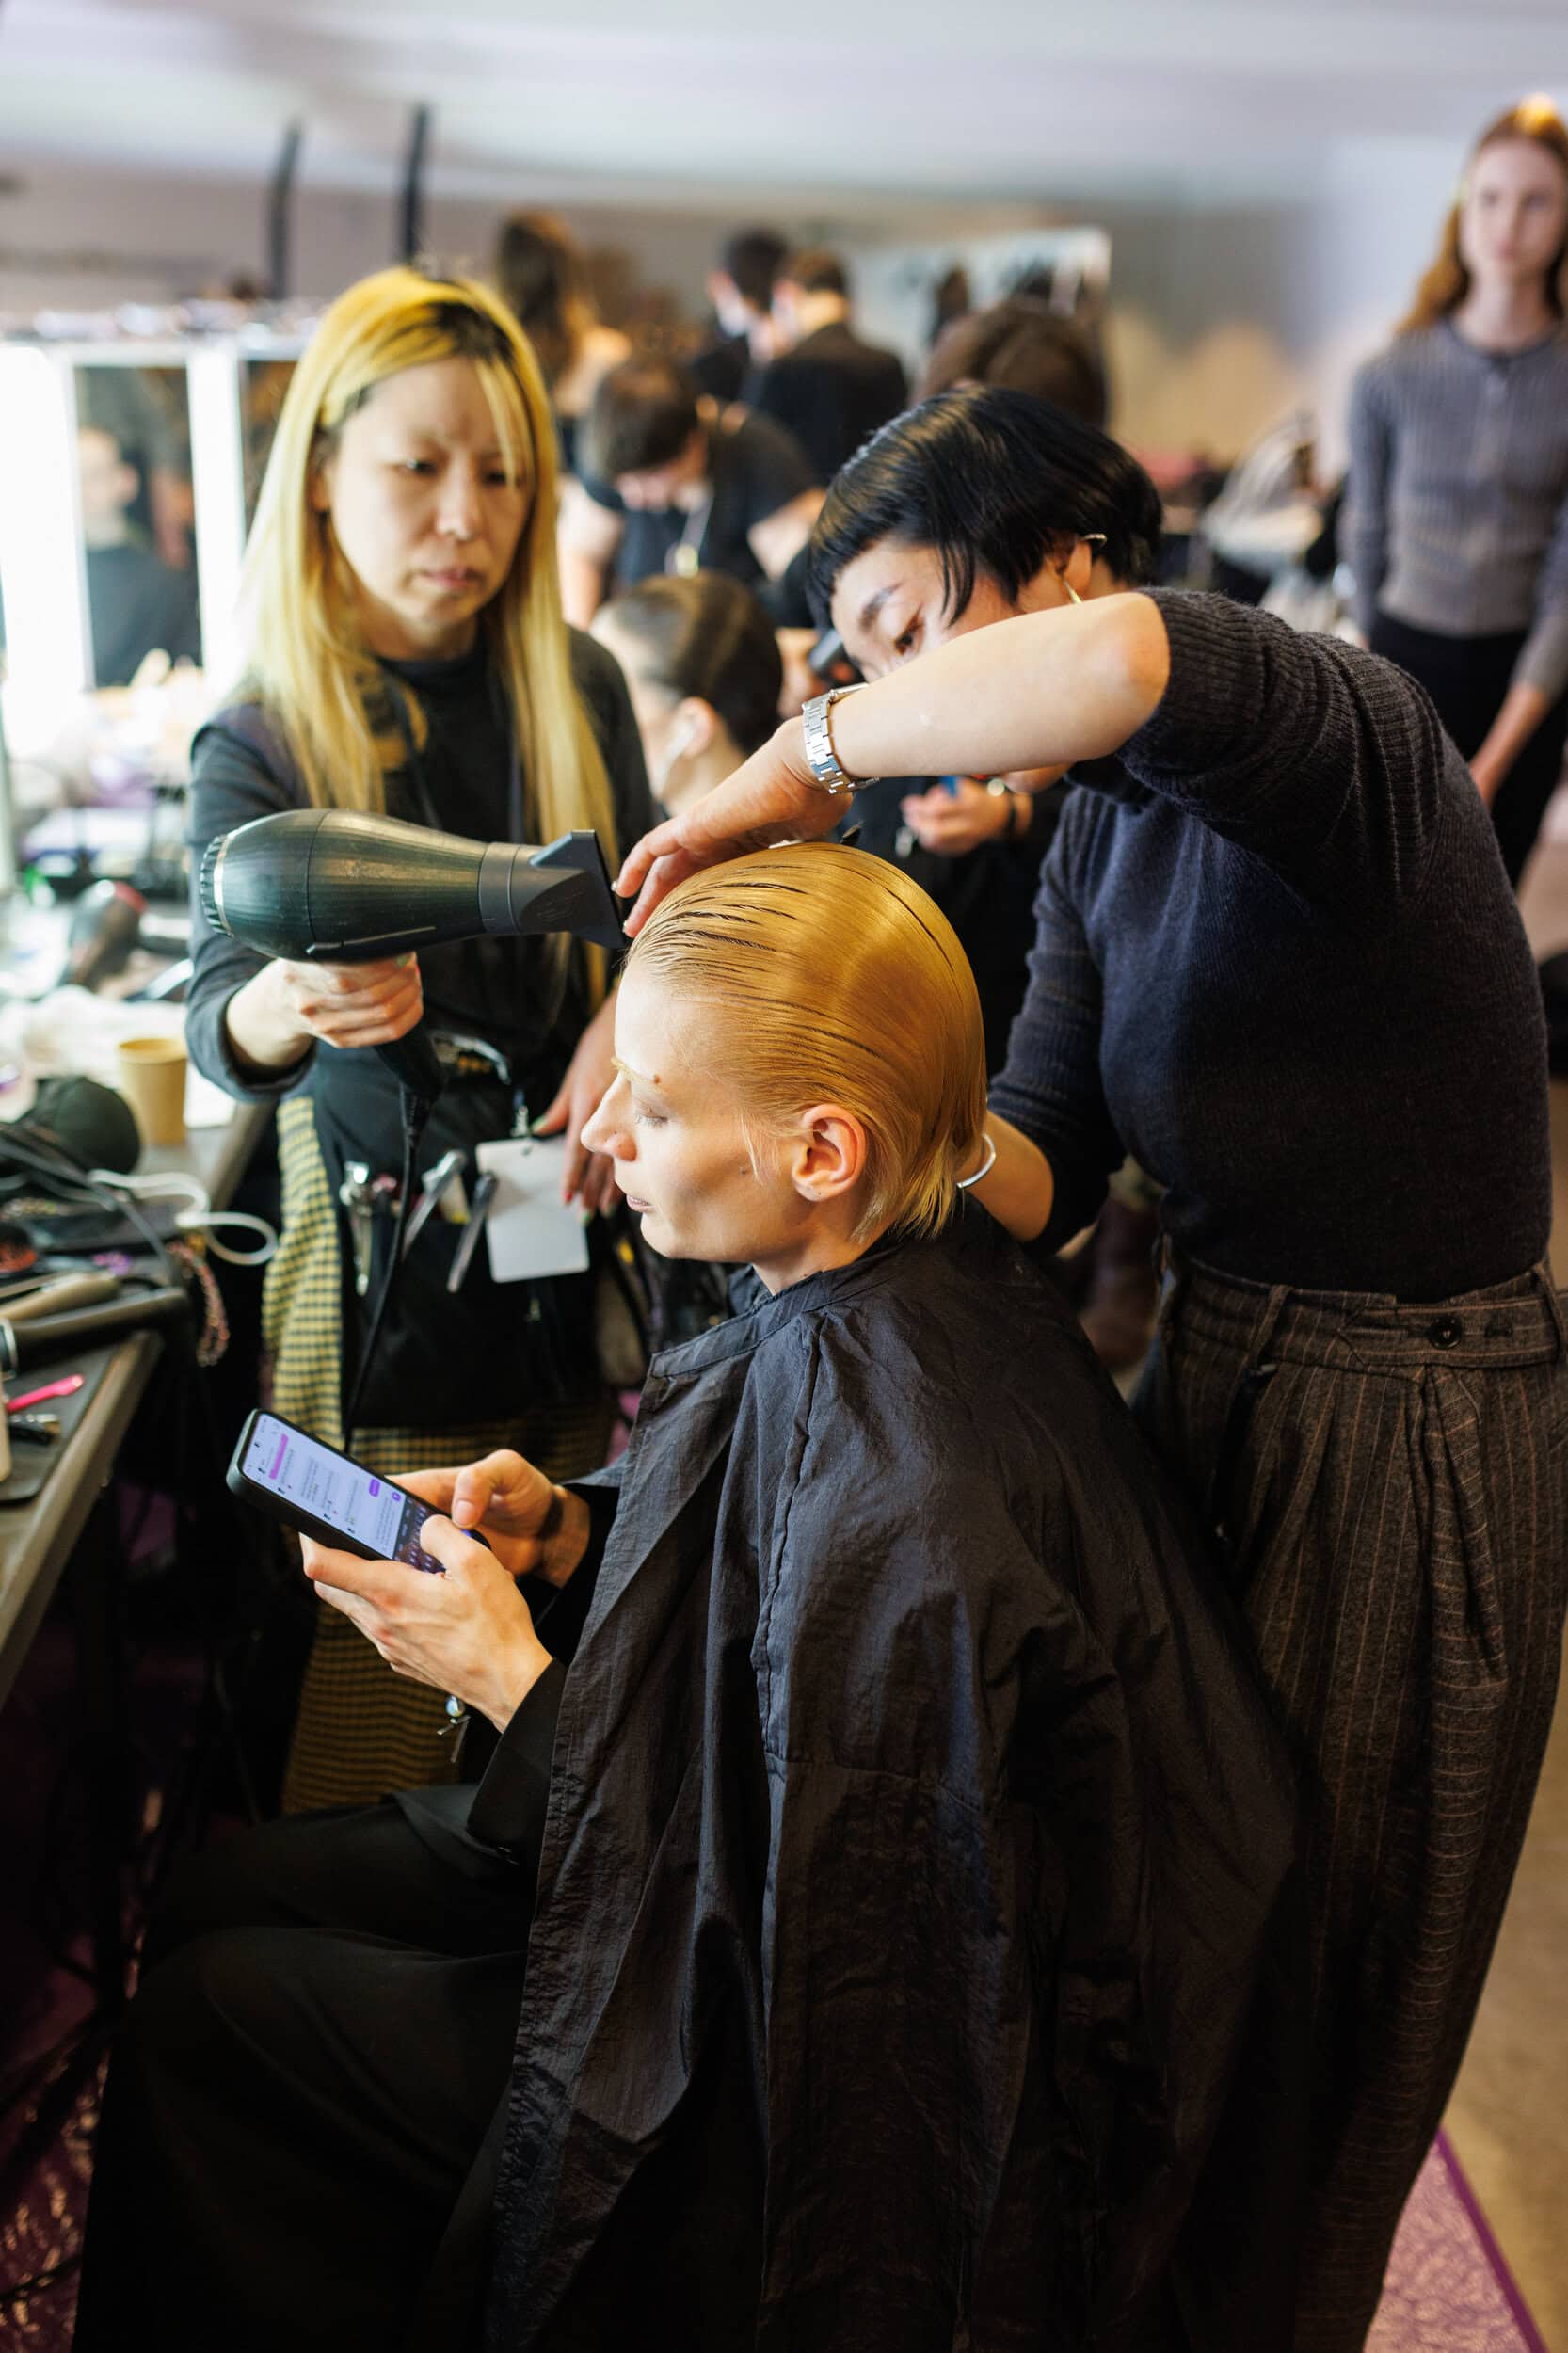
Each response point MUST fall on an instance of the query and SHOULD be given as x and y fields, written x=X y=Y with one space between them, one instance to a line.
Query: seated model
x=868 y=1939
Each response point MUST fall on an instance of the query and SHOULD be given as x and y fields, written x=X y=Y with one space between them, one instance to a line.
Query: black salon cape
x=915 y=1844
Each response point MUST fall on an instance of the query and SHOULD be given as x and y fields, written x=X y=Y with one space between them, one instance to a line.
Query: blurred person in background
x=671 y=482
x=740 y=293
x=135 y=602
x=951 y=300
x=826 y=386
x=145 y=410
x=1020 y=343
x=1456 y=522
x=406 y=654
x=702 y=667
x=541 y=272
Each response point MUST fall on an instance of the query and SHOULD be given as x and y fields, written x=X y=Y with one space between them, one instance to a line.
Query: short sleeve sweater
x=1277 y=959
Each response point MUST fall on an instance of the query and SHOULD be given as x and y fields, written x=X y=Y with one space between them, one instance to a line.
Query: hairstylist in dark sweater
x=1279 y=961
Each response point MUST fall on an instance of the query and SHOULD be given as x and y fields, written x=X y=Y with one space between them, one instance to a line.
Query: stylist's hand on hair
x=1044 y=689
x=285 y=1007
x=590 y=1177
x=772 y=797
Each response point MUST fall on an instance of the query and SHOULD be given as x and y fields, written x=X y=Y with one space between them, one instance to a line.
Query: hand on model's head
x=774 y=797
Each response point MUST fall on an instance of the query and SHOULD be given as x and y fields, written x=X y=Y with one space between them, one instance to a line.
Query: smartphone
x=327 y=1494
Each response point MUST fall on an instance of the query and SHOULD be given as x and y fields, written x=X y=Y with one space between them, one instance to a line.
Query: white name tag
x=530 y=1231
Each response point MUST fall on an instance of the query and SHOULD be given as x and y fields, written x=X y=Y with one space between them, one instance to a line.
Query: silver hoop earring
x=963 y=1183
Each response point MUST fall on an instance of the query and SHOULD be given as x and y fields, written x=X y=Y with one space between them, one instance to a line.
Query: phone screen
x=301 y=1471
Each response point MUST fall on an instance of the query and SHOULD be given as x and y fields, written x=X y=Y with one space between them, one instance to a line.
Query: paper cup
x=153 y=1081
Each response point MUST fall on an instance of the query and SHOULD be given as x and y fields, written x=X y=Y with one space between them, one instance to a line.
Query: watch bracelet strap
x=826 y=772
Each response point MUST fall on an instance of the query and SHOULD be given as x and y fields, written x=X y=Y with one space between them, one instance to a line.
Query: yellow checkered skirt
x=362 y=1730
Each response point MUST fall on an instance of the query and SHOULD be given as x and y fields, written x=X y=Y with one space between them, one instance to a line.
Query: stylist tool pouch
x=444 y=1358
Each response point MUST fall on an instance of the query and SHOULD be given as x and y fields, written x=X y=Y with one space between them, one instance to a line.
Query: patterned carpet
x=1448 y=2289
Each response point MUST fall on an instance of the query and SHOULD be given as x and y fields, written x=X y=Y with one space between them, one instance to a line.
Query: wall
x=1225 y=314
x=1225 y=311
x=91 y=240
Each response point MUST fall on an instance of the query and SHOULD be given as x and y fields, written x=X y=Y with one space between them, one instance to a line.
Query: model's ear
x=825 y=1152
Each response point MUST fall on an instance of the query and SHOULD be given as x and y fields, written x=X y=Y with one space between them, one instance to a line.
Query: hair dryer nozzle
x=563 y=888
x=340 y=887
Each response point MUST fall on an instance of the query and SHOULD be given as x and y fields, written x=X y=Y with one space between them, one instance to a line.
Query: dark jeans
x=323 y=2030
x=1467 y=678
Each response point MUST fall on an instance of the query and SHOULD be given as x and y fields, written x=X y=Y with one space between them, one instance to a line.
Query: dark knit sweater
x=1279 y=962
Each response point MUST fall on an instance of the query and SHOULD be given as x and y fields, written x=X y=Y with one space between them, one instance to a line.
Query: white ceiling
x=673 y=100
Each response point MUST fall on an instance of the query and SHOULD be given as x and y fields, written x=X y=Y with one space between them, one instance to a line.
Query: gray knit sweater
x=1457 y=516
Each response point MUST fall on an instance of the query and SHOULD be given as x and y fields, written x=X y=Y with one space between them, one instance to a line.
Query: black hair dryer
x=329 y=886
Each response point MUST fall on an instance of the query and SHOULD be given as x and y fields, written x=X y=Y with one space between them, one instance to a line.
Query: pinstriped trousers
x=1388 y=1488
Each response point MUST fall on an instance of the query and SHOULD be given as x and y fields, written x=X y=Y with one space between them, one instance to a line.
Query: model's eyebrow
x=626 y=1072
x=874 y=604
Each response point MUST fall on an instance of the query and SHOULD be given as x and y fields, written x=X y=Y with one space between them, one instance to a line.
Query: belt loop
x=1553 y=1298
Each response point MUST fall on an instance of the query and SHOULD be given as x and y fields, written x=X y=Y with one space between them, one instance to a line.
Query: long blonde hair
x=828 y=976
x=1447 y=282
x=308 y=664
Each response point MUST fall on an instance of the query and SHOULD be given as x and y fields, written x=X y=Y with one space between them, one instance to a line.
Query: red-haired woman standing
x=1458 y=518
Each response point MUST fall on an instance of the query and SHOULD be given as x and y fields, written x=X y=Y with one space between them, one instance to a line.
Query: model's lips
x=458 y=577
x=642 y=1208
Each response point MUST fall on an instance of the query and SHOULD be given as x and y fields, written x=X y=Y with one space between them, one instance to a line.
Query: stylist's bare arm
x=1042 y=691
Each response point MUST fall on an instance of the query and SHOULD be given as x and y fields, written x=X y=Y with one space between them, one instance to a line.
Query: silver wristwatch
x=821 y=757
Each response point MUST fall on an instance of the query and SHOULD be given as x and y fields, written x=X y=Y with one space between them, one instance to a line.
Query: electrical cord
x=200 y=1217
x=74 y=1184
x=416 y=1114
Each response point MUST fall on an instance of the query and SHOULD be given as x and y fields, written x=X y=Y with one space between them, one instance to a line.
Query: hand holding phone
x=533 y=1527
x=465 y=1629
x=468 y=1632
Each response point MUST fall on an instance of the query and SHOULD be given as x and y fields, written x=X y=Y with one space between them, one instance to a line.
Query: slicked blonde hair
x=831 y=978
x=308 y=660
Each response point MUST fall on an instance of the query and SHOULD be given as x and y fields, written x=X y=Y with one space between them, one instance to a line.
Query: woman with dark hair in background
x=540 y=270
x=1457 y=516
x=702 y=665
x=1277 y=959
x=1023 y=345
